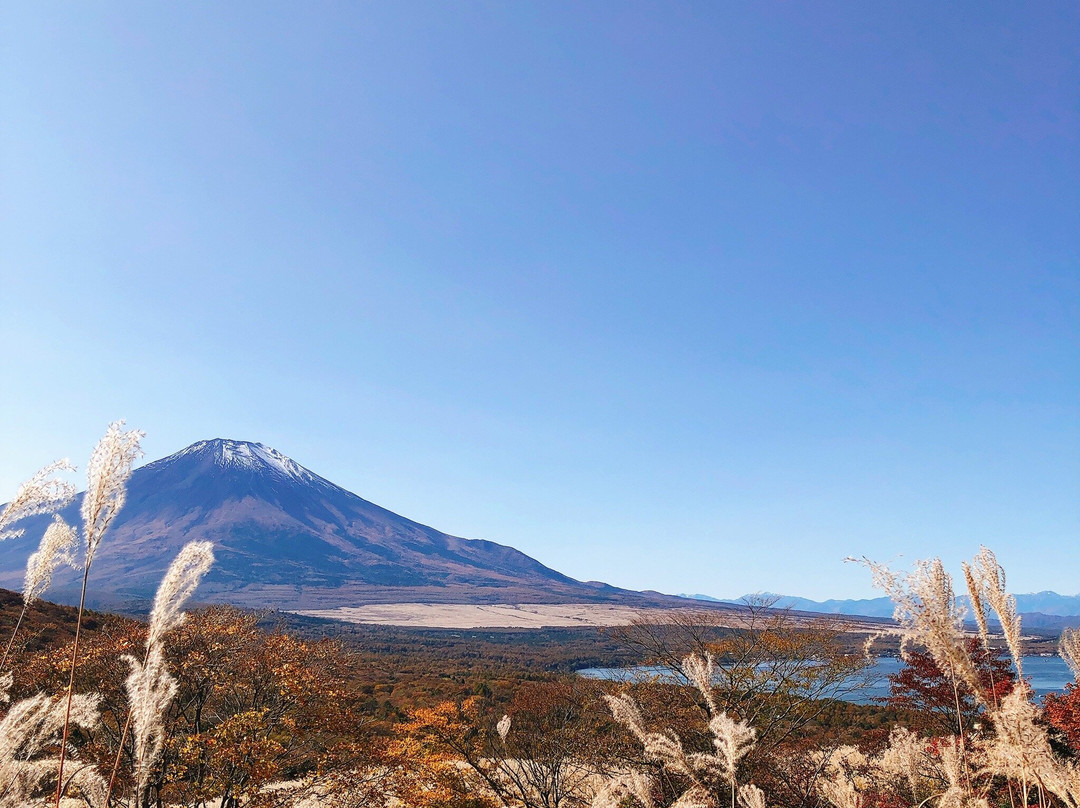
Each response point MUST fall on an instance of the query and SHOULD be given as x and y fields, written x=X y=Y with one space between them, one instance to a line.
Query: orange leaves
x=431 y=749
x=447 y=726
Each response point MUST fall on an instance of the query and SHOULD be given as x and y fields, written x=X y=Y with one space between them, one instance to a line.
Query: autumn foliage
x=213 y=709
x=253 y=708
x=928 y=695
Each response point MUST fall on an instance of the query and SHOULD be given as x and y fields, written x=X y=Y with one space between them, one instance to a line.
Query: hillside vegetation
x=227 y=707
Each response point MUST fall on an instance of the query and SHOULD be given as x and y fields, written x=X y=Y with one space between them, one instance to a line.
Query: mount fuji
x=286 y=538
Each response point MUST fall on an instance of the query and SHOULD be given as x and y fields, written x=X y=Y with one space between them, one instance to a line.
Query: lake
x=1046 y=674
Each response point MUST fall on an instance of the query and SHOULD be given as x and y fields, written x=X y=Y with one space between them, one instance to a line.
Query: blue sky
x=692 y=297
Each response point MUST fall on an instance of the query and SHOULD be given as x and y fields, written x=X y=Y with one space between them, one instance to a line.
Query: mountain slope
x=288 y=538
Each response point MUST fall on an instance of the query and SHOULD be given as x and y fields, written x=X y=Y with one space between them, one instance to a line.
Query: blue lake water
x=1046 y=674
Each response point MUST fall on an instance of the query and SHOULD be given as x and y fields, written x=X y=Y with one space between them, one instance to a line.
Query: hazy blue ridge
x=1043 y=604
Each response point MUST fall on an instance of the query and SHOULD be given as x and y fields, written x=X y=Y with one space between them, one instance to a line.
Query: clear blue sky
x=693 y=297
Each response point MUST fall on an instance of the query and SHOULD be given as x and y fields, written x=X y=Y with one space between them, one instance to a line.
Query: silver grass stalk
x=57 y=547
x=665 y=749
x=836 y=784
x=699 y=671
x=32 y=722
x=992 y=575
x=839 y=791
x=905 y=757
x=150 y=687
x=625 y=711
x=1064 y=781
x=1069 y=648
x=733 y=740
x=107 y=476
x=868 y=644
x=91 y=786
x=952 y=766
x=28 y=726
x=150 y=690
x=180 y=581
x=750 y=796
x=976 y=586
x=926 y=607
x=1021 y=748
x=503 y=728
x=696 y=797
x=940 y=621
x=42 y=493
x=614 y=791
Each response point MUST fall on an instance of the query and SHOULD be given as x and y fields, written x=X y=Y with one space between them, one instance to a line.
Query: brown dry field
x=519 y=615
x=455 y=615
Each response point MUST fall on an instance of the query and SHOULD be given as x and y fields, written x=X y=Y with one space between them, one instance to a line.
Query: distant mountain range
x=288 y=538
x=1045 y=604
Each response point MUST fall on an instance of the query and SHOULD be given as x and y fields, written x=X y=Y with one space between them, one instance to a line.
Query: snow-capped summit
x=243 y=455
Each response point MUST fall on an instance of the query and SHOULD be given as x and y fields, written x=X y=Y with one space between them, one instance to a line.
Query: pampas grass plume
x=750 y=796
x=183 y=576
x=615 y=791
x=625 y=711
x=107 y=476
x=992 y=577
x=42 y=493
x=57 y=547
x=700 y=670
x=150 y=687
x=31 y=725
x=733 y=740
x=1069 y=648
